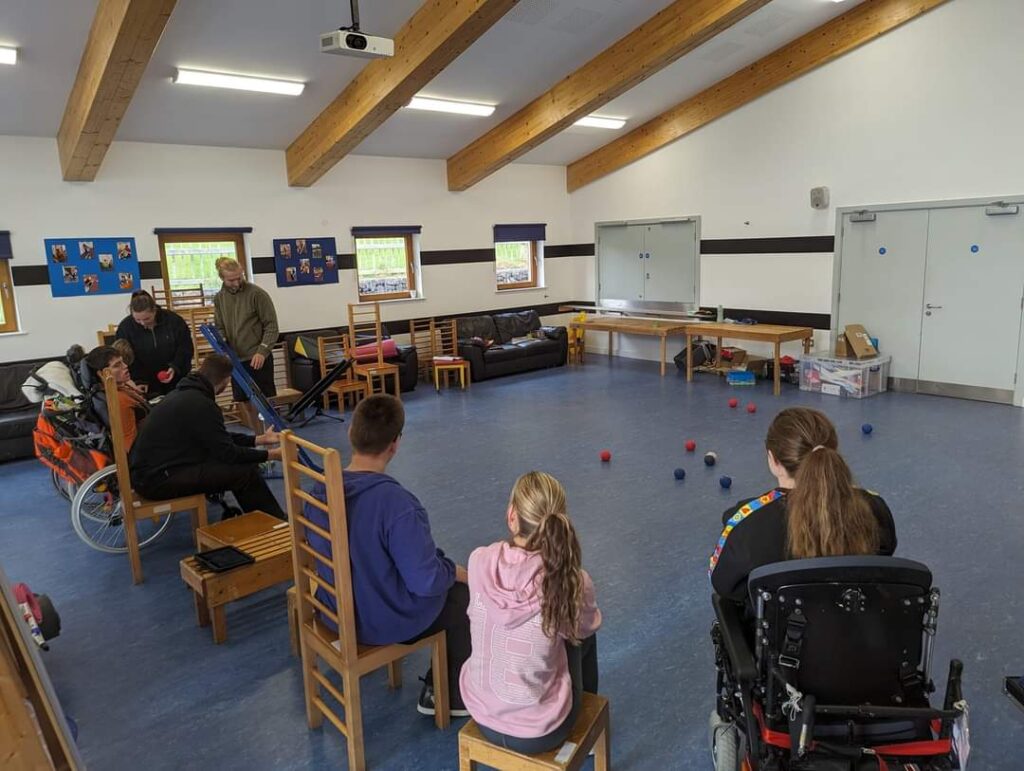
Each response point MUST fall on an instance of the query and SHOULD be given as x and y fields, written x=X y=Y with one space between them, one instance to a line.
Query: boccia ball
x=606 y=456
x=734 y=403
x=679 y=473
x=690 y=445
x=867 y=428
x=710 y=459
x=751 y=408
x=725 y=482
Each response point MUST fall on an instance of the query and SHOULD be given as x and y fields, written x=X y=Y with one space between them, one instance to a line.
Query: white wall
x=930 y=111
x=142 y=186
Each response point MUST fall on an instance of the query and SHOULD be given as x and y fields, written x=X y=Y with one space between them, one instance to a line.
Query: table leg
x=778 y=375
x=609 y=342
x=689 y=357
x=202 y=614
x=664 y=343
x=718 y=352
x=220 y=625
x=807 y=344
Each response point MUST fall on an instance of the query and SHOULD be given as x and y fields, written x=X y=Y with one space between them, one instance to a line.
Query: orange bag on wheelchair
x=73 y=463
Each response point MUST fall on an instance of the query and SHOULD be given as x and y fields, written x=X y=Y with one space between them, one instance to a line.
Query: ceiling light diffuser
x=451 y=106
x=8 y=55
x=596 y=121
x=238 y=82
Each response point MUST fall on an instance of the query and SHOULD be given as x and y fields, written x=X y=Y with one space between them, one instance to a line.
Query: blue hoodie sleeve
x=423 y=567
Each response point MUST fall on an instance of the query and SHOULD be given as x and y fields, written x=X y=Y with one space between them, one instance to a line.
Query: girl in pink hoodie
x=533 y=620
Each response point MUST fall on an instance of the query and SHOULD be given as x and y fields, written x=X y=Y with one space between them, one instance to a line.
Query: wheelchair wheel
x=98 y=519
x=727 y=746
x=65 y=489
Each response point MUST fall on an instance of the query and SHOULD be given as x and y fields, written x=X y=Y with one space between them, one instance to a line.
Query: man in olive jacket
x=245 y=315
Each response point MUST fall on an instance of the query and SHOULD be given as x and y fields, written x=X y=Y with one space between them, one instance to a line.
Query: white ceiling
x=536 y=44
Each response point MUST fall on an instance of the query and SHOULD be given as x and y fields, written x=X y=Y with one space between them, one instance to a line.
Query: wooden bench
x=592 y=731
x=266 y=538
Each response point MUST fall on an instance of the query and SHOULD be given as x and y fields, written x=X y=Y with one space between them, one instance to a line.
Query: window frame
x=199 y=237
x=534 y=280
x=410 y=269
x=7 y=298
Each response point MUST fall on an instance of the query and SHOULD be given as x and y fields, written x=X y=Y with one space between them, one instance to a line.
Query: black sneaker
x=425 y=705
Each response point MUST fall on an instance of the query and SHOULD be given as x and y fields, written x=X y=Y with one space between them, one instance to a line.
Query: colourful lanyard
x=741 y=514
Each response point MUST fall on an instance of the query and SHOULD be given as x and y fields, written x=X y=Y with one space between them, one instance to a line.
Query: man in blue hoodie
x=404 y=587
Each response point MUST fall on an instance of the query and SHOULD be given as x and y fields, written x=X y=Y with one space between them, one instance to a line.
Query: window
x=8 y=313
x=386 y=261
x=517 y=255
x=189 y=260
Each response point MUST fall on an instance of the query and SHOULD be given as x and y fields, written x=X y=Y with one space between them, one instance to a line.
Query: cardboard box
x=854 y=342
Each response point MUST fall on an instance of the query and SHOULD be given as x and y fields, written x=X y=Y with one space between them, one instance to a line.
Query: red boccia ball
x=751 y=408
x=606 y=456
x=690 y=445
x=734 y=403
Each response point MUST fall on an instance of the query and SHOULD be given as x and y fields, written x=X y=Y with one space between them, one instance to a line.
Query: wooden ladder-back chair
x=364 y=329
x=446 y=354
x=330 y=351
x=422 y=337
x=180 y=297
x=194 y=318
x=338 y=649
x=286 y=393
x=133 y=506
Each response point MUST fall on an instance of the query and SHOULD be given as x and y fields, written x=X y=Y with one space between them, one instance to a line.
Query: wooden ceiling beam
x=669 y=34
x=433 y=38
x=121 y=41
x=839 y=36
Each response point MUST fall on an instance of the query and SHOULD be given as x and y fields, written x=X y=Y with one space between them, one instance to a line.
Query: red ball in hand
x=606 y=456
x=734 y=403
x=690 y=445
x=751 y=408
x=164 y=376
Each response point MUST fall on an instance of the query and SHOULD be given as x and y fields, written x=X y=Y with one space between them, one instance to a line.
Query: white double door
x=943 y=290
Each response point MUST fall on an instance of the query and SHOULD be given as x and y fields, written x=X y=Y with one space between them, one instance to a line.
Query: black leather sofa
x=17 y=414
x=502 y=344
x=306 y=372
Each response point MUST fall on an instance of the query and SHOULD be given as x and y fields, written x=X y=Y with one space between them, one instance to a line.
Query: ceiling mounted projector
x=350 y=41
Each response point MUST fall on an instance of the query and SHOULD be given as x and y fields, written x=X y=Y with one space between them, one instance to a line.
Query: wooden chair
x=422 y=335
x=286 y=394
x=106 y=336
x=447 y=342
x=364 y=328
x=330 y=351
x=339 y=649
x=133 y=505
x=194 y=318
x=180 y=297
x=592 y=730
x=577 y=340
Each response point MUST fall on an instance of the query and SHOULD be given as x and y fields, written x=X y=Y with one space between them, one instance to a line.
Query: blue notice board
x=82 y=266
x=302 y=261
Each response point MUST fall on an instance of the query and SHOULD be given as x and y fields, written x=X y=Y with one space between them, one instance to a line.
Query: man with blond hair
x=245 y=315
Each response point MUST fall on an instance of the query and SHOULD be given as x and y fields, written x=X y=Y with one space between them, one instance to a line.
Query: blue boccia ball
x=710 y=459
x=867 y=428
x=725 y=482
x=679 y=473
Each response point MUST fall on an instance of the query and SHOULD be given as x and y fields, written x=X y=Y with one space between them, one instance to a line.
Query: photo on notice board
x=300 y=245
x=106 y=262
x=289 y=275
x=285 y=250
x=86 y=250
x=126 y=280
x=70 y=274
x=91 y=283
x=318 y=251
x=59 y=253
x=124 y=250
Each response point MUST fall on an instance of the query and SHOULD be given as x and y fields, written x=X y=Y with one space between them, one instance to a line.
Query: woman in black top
x=161 y=342
x=815 y=511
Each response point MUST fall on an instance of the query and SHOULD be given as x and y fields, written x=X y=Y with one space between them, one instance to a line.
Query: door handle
x=932 y=307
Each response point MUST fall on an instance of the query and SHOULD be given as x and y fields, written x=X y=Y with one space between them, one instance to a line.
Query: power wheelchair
x=833 y=672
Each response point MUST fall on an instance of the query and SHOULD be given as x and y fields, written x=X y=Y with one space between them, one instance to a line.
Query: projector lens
x=358 y=42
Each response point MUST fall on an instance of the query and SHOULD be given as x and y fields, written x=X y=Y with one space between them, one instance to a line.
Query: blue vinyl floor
x=149 y=689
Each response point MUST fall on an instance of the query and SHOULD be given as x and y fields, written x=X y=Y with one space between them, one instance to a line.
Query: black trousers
x=243 y=479
x=582 y=660
x=454 y=620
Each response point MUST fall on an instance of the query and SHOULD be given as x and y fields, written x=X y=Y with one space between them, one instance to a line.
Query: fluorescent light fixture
x=596 y=121
x=450 y=105
x=8 y=55
x=239 y=82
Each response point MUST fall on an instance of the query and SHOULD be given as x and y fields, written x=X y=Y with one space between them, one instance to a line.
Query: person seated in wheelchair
x=823 y=640
x=107 y=360
x=815 y=510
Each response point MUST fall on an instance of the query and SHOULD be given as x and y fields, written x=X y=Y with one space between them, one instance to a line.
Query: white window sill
x=13 y=334
x=394 y=300
x=521 y=289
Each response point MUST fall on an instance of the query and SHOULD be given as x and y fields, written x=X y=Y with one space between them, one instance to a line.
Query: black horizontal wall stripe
x=456 y=256
x=150 y=269
x=29 y=275
x=568 y=250
x=785 y=318
x=792 y=245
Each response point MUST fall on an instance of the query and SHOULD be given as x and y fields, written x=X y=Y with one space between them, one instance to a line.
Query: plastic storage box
x=853 y=378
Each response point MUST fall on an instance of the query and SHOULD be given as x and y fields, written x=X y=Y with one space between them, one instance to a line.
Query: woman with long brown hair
x=533 y=620
x=816 y=509
x=161 y=341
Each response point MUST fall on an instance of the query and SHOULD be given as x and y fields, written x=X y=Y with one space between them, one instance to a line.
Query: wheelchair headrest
x=839 y=570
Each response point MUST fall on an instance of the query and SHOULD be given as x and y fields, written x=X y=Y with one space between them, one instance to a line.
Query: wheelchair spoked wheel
x=728 y=745
x=65 y=489
x=98 y=519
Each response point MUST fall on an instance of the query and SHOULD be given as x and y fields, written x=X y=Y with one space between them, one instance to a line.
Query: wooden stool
x=461 y=366
x=592 y=730
x=266 y=538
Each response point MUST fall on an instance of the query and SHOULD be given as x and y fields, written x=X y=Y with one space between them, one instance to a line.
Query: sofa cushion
x=500 y=353
x=520 y=324
x=476 y=326
x=538 y=347
x=11 y=378
x=19 y=423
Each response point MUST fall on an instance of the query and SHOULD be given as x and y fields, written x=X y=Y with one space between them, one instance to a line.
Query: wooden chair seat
x=592 y=731
x=444 y=367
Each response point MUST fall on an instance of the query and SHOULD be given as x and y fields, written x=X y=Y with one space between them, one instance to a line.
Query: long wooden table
x=633 y=326
x=762 y=333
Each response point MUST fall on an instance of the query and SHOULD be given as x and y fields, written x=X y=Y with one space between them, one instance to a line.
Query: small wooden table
x=633 y=326
x=266 y=538
x=460 y=365
x=764 y=333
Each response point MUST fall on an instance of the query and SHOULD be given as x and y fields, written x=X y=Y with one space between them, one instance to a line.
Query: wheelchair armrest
x=730 y=620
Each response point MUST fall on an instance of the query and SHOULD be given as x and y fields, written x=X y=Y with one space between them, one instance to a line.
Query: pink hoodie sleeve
x=590 y=614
